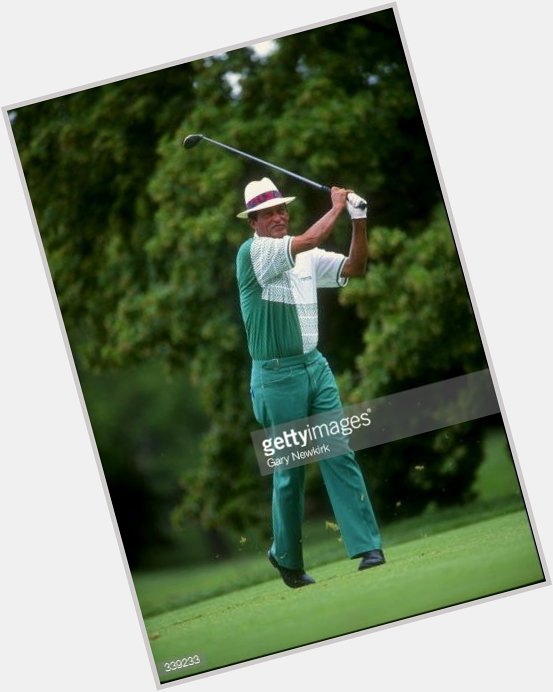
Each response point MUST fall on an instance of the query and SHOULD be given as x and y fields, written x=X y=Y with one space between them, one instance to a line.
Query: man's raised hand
x=356 y=206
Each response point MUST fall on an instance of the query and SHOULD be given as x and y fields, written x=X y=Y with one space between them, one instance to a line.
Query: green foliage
x=413 y=301
x=147 y=427
x=141 y=236
x=87 y=159
x=418 y=328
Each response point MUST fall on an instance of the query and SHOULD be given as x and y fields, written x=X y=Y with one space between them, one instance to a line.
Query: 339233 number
x=179 y=663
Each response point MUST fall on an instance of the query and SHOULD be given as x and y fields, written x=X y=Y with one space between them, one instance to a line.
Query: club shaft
x=324 y=188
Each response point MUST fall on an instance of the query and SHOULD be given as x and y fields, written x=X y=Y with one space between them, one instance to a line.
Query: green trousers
x=286 y=389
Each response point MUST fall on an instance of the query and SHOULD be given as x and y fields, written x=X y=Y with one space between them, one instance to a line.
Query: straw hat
x=262 y=194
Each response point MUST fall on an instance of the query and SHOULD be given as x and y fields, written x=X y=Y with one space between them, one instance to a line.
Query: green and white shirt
x=278 y=297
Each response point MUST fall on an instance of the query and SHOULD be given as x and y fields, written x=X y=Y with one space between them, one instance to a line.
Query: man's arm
x=356 y=262
x=321 y=229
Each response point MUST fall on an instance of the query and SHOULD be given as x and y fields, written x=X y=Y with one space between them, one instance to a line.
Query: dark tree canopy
x=141 y=239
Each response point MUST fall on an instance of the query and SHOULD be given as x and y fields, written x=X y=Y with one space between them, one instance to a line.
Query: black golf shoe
x=372 y=558
x=294 y=578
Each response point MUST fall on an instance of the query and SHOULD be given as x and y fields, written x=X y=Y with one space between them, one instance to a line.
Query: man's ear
x=252 y=223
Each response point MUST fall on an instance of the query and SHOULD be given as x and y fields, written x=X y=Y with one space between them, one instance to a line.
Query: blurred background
x=141 y=238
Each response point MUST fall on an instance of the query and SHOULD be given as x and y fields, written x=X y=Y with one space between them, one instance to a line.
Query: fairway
x=420 y=576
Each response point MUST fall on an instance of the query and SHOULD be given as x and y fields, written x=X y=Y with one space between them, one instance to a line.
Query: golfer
x=278 y=277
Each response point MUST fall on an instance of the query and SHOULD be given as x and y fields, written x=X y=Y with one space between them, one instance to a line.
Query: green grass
x=163 y=590
x=420 y=576
x=168 y=589
x=238 y=609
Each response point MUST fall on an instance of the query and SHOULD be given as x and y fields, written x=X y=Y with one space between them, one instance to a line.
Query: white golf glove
x=355 y=211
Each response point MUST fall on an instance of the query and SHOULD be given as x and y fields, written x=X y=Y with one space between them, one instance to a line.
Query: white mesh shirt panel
x=279 y=290
x=307 y=314
x=270 y=258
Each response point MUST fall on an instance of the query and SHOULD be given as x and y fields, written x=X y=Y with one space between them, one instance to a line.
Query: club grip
x=359 y=204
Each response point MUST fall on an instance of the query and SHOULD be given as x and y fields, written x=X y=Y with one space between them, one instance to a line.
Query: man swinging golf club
x=278 y=276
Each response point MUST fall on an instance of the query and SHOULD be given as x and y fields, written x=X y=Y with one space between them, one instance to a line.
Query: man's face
x=271 y=222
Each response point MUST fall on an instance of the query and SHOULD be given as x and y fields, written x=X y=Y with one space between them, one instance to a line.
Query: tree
x=419 y=328
x=141 y=235
x=87 y=159
x=147 y=428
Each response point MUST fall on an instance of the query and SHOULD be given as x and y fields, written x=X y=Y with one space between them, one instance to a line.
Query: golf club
x=192 y=140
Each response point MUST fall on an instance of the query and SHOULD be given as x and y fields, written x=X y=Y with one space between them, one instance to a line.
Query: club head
x=191 y=141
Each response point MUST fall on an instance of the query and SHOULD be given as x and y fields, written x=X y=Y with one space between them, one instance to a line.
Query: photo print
x=254 y=261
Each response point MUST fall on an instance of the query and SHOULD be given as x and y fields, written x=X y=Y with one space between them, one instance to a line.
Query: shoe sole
x=373 y=564
x=275 y=564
